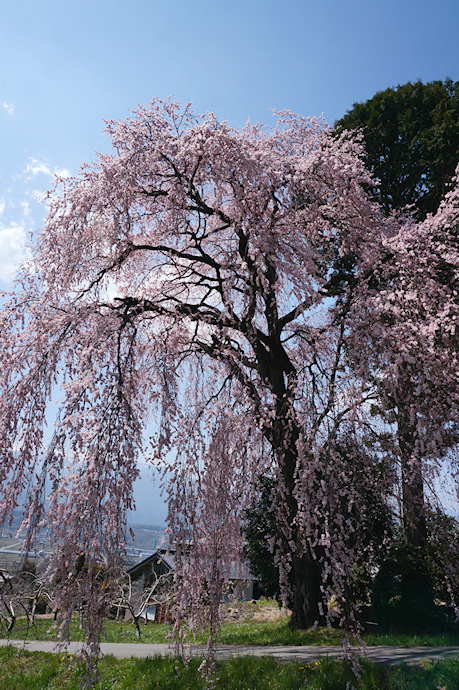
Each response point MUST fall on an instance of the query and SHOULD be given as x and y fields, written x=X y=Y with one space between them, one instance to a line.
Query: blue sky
x=68 y=65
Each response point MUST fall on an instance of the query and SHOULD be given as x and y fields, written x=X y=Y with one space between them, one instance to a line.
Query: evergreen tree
x=411 y=138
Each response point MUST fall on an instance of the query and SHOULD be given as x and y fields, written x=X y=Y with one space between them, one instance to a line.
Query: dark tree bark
x=414 y=517
x=305 y=576
x=307 y=597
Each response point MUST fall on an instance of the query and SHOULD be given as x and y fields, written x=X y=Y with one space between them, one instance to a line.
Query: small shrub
x=403 y=596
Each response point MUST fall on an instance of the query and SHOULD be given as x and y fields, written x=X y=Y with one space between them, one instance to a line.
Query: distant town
x=147 y=539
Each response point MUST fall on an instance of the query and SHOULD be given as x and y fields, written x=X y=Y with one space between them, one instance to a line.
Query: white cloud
x=36 y=167
x=9 y=107
x=61 y=172
x=21 y=212
x=13 y=249
x=26 y=212
x=14 y=234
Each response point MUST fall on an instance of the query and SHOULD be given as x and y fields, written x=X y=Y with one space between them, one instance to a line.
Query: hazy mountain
x=150 y=506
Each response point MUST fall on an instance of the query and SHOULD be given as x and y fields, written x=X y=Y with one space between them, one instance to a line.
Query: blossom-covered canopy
x=191 y=295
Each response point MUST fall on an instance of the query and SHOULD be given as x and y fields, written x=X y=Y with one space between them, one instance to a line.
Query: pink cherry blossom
x=208 y=295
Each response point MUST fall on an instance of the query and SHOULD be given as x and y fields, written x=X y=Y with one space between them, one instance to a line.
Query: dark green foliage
x=412 y=142
x=260 y=527
x=411 y=136
x=410 y=591
x=361 y=481
x=443 y=537
x=365 y=473
x=364 y=478
x=403 y=598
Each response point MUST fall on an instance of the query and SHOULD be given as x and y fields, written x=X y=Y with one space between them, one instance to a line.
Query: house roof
x=162 y=555
x=238 y=571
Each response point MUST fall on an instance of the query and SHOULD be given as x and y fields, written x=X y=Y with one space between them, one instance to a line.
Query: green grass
x=116 y=632
x=245 y=632
x=448 y=639
x=38 y=671
x=277 y=633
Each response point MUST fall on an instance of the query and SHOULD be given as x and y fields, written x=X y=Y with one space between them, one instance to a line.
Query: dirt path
x=391 y=656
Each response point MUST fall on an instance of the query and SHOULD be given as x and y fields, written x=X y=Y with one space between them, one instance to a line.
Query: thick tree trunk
x=306 y=597
x=417 y=590
x=414 y=517
x=305 y=574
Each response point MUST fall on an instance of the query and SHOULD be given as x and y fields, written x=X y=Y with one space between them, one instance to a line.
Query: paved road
x=306 y=654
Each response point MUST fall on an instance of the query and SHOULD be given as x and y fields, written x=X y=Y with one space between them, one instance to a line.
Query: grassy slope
x=246 y=632
x=38 y=671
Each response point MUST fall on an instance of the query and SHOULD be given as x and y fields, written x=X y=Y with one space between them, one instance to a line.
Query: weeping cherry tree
x=190 y=298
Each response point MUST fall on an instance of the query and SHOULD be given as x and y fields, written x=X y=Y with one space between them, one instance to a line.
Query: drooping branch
x=215 y=283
